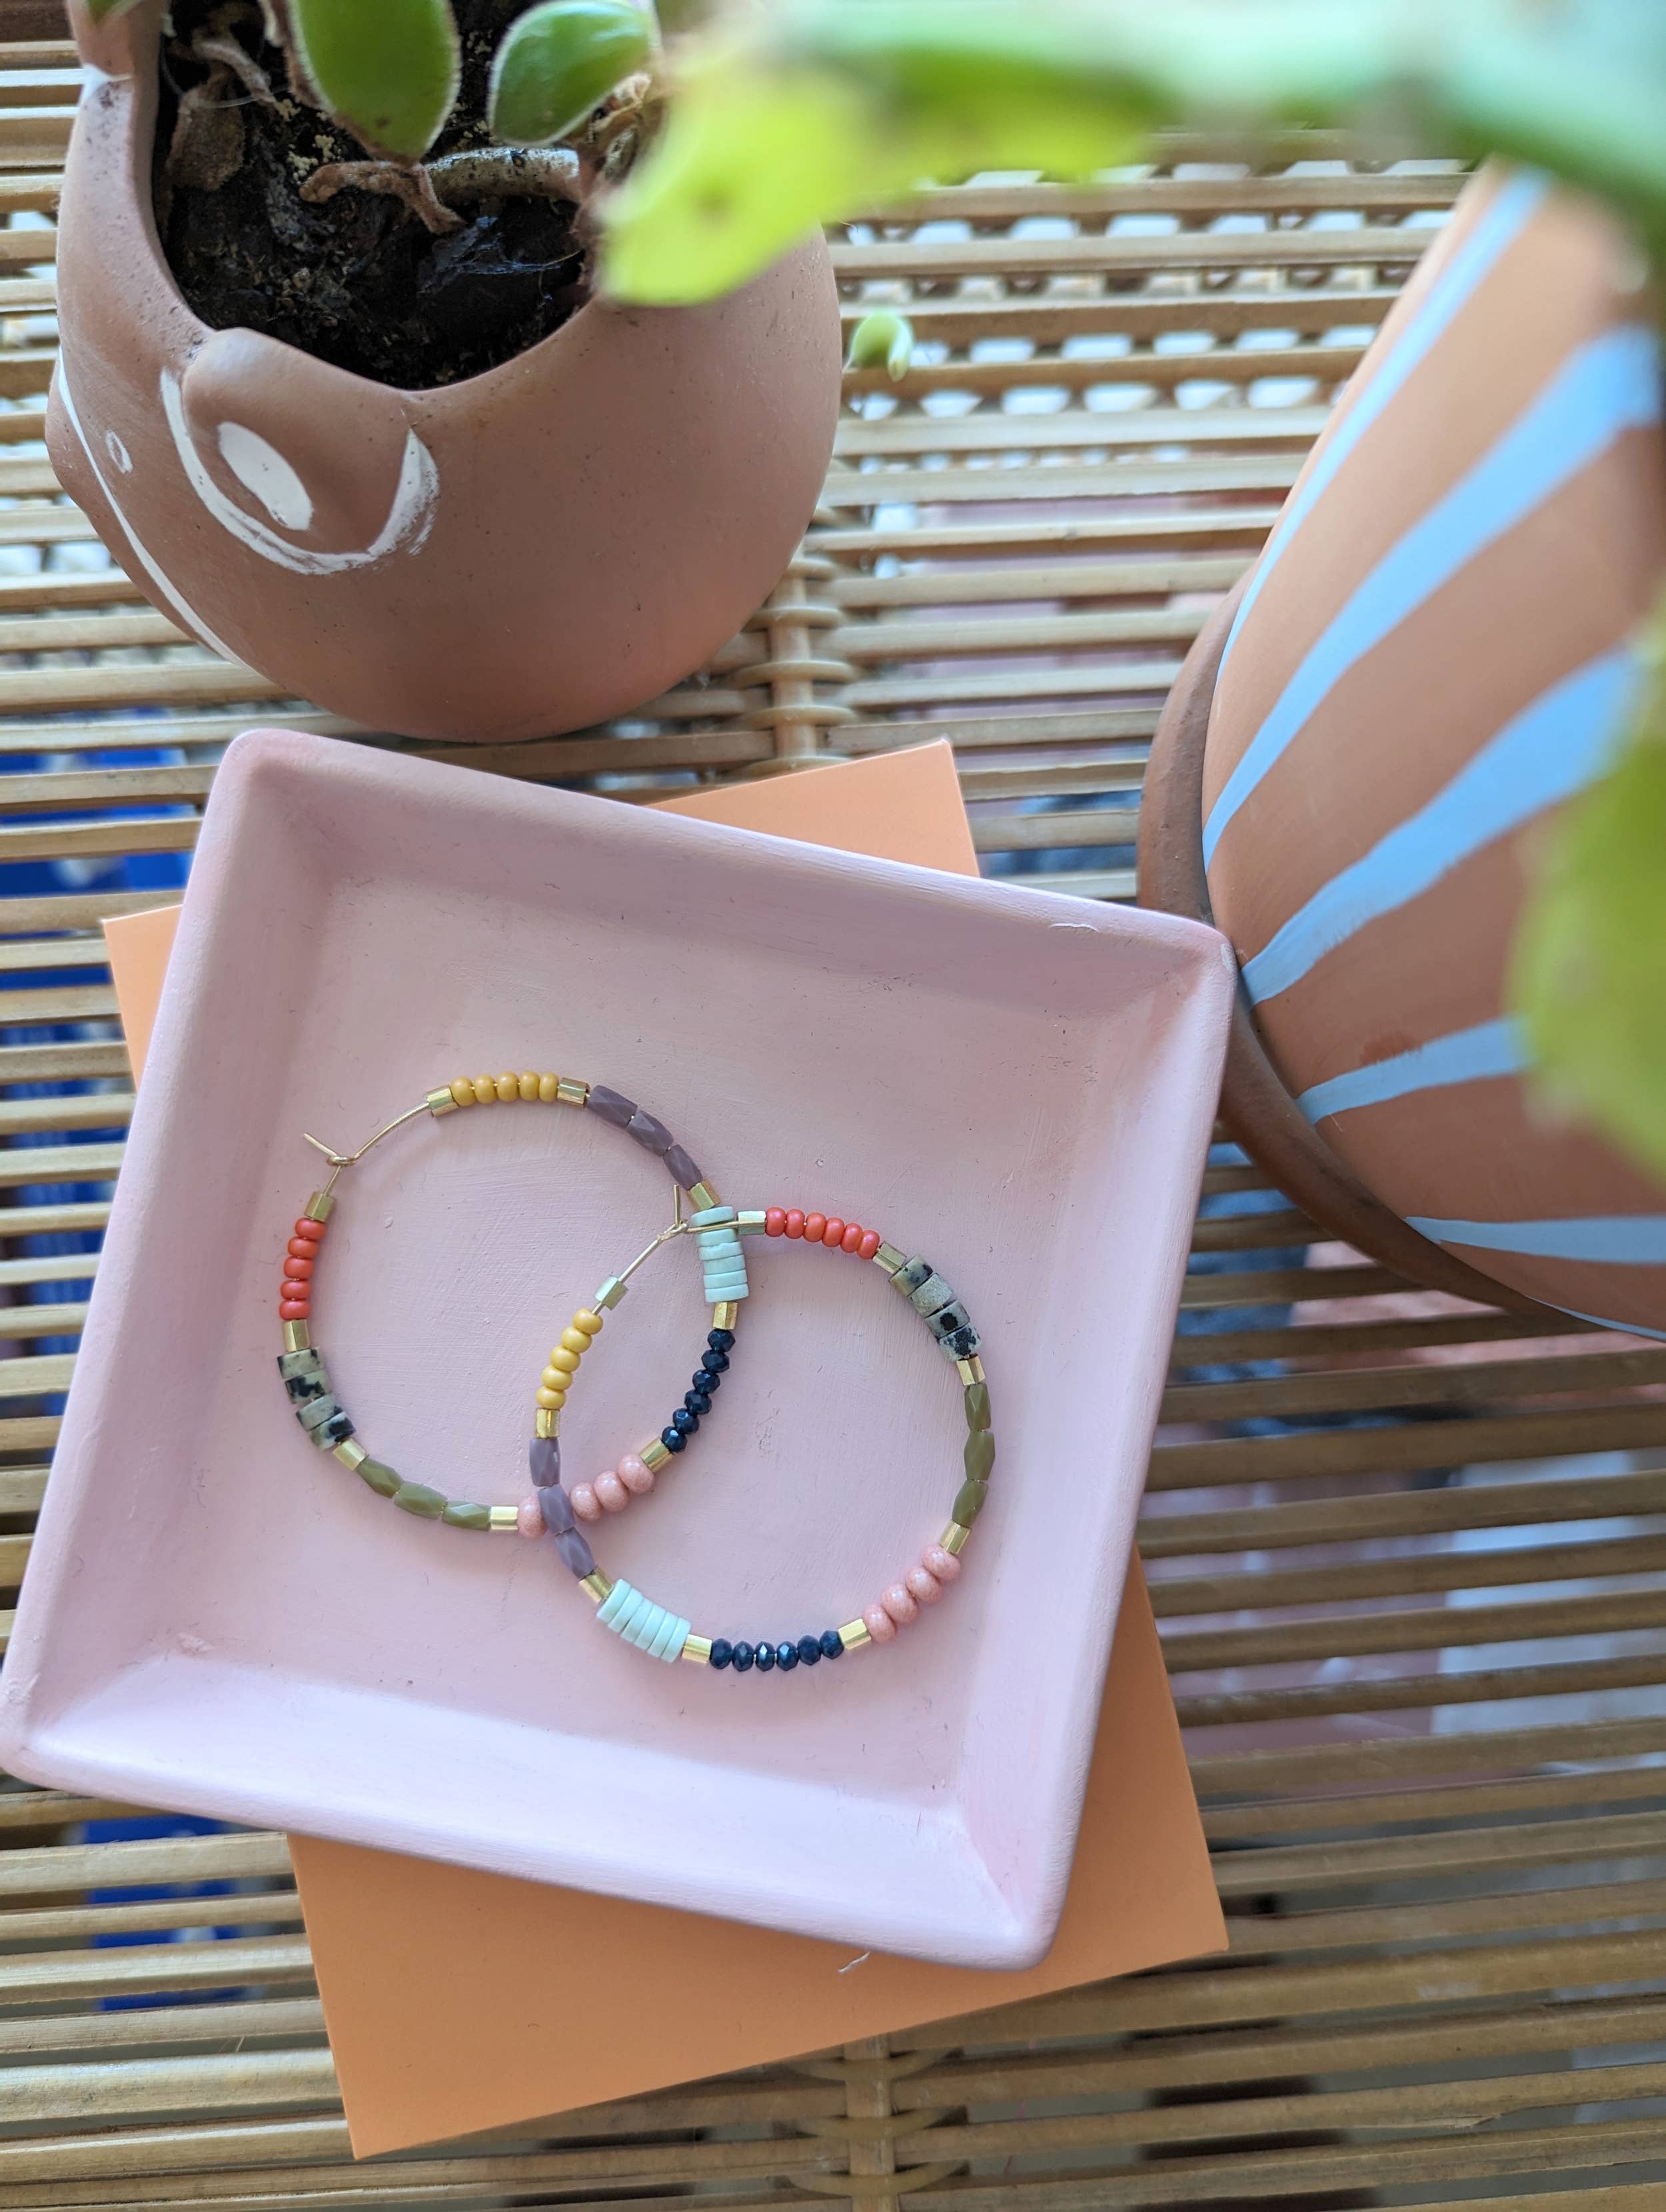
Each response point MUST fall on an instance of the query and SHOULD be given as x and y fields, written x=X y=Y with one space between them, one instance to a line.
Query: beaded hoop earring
x=321 y=1415
x=665 y=1635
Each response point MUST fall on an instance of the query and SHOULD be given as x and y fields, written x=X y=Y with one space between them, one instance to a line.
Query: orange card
x=459 y=2002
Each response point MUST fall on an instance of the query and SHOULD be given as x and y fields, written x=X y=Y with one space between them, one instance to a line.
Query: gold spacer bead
x=609 y=1294
x=297 y=1336
x=570 y=1093
x=701 y=1196
x=596 y=1587
x=320 y=1206
x=751 y=1222
x=969 y=1370
x=551 y=1401
x=350 y=1454
x=953 y=1538
x=726 y=1314
x=505 y=1520
x=697 y=1650
x=590 y=1323
x=890 y=1258
x=441 y=1102
x=854 y=1635
x=548 y=1085
x=546 y=1423
x=463 y=1091
x=654 y=1455
x=485 y=1090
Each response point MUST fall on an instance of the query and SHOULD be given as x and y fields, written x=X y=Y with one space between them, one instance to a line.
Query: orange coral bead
x=851 y=1239
x=296 y=1309
x=832 y=1232
x=869 y=1245
x=814 y=1224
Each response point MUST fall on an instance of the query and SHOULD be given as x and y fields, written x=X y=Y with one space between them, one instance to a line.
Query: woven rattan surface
x=1409 y=1569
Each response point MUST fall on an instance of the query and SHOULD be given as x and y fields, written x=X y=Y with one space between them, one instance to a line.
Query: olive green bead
x=382 y=1479
x=459 y=1514
x=969 y=1502
x=416 y=1497
x=979 y=1455
x=977 y=1405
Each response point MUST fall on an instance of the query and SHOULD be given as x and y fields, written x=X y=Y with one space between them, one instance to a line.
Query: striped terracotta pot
x=1432 y=657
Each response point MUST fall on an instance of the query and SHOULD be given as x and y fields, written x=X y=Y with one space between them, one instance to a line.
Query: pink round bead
x=638 y=1478
x=899 y=1605
x=923 y=1584
x=529 y=1516
x=611 y=1493
x=586 y=1504
x=878 y=1624
x=941 y=1564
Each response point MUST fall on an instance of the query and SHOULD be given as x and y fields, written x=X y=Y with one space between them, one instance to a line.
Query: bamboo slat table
x=1409 y=1569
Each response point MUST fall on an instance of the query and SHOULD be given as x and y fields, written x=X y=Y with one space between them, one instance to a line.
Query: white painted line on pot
x=186 y=613
x=263 y=472
x=409 y=519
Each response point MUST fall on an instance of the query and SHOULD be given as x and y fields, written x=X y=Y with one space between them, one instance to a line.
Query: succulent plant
x=388 y=72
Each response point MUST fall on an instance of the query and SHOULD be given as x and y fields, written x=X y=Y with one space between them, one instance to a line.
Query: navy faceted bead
x=720 y=1340
x=685 y=1422
x=810 y=1649
x=696 y=1401
x=742 y=1655
x=722 y=1651
x=714 y=1362
x=786 y=1657
x=766 y=1657
x=673 y=1440
x=832 y=1643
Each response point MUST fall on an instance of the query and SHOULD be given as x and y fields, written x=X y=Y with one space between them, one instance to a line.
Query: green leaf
x=1588 y=969
x=388 y=71
x=807 y=111
x=559 y=62
x=884 y=340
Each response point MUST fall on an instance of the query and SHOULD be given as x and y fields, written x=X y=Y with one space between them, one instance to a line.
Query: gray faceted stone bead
x=557 y=1508
x=683 y=1170
x=544 y=1459
x=576 y=1555
x=650 y=1133
x=613 y=1105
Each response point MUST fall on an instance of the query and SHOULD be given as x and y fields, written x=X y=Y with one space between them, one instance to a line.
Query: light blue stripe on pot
x=1503 y=220
x=1551 y=749
x=1619 y=1240
x=1630 y=1327
x=1607 y=387
x=1470 y=1055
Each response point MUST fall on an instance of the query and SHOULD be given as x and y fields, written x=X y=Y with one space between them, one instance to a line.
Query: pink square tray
x=221 y=1619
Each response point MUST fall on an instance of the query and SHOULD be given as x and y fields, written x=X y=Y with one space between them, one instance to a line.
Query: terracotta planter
x=1366 y=748
x=526 y=551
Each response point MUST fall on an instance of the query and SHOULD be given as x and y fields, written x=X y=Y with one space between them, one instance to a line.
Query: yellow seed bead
x=528 y=1087
x=552 y=1400
x=485 y=1090
x=547 y=1087
x=463 y=1091
x=590 y=1322
x=574 y=1339
x=563 y=1361
x=508 y=1086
